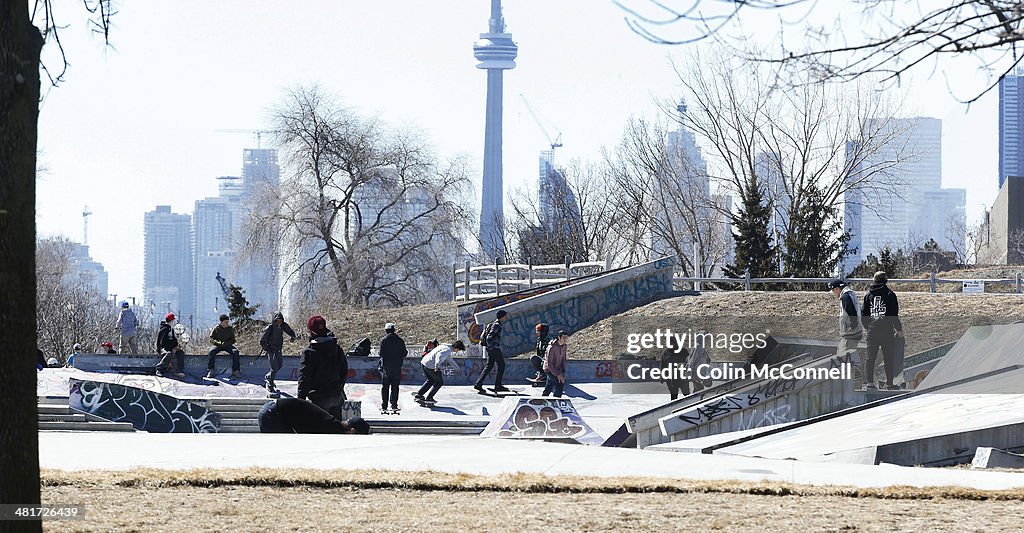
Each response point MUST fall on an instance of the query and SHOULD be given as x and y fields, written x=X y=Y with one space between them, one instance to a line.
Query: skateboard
x=397 y=411
x=426 y=403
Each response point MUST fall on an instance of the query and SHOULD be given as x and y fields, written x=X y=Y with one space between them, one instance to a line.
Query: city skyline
x=153 y=140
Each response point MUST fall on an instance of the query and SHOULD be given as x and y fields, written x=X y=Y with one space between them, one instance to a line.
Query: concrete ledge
x=985 y=457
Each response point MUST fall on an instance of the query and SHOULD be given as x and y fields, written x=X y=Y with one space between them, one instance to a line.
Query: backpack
x=485 y=334
x=360 y=349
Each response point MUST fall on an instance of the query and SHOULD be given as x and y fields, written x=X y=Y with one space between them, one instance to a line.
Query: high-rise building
x=259 y=275
x=912 y=207
x=87 y=270
x=1011 y=125
x=167 y=279
x=559 y=210
x=213 y=248
x=496 y=53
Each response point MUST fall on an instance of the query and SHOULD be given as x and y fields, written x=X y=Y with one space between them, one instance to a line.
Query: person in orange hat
x=109 y=347
x=167 y=345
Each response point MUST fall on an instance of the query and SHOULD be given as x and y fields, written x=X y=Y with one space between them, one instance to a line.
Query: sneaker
x=236 y=374
x=270 y=386
x=500 y=388
x=479 y=387
x=416 y=396
x=210 y=373
x=870 y=386
x=395 y=408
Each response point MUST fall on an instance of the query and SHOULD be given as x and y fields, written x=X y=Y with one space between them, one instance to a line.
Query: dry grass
x=306 y=500
x=932 y=319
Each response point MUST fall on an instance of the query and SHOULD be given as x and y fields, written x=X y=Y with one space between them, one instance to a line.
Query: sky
x=134 y=124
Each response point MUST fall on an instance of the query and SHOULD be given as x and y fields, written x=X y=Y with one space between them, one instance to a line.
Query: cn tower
x=496 y=53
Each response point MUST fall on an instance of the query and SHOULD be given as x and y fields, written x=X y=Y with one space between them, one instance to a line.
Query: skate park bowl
x=548 y=419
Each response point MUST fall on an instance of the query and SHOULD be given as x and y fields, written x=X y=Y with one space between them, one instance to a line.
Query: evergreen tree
x=755 y=251
x=238 y=306
x=816 y=242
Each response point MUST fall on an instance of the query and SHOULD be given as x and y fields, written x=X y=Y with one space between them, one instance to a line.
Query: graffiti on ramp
x=146 y=410
x=540 y=418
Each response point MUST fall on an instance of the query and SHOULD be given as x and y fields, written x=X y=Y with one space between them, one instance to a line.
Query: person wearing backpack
x=543 y=340
x=491 y=342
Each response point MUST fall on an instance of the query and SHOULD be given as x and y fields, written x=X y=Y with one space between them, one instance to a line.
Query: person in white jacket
x=433 y=364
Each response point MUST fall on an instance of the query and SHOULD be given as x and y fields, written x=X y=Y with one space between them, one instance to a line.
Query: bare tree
x=576 y=218
x=665 y=190
x=367 y=207
x=893 y=36
x=70 y=309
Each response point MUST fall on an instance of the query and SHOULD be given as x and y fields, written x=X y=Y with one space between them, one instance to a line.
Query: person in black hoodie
x=491 y=341
x=392 y=354
x=291 y=415
x=881 y=317
x=272 y=342
x=323 y=369
x=167 y=345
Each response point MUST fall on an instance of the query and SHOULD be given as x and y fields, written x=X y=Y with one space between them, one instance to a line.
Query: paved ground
x=470 y=455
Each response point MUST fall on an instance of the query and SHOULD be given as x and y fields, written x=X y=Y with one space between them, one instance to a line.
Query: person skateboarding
x=392 y=354
x=433 y=364
x=491 y=342
x=272 y=342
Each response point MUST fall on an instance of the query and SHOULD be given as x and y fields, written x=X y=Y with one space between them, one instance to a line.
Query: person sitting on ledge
x=292 y=415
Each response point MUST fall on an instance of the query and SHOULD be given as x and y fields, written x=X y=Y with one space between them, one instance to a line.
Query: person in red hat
x=167 y=345
x=323 y=369
x=109 y=347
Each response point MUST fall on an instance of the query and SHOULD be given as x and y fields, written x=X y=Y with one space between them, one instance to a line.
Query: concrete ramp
x=980 y=350
x=936 y=428
x=579 y=305
x=540 y=419
x=144 y=409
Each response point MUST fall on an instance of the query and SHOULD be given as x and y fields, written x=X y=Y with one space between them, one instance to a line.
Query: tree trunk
x=20 y=45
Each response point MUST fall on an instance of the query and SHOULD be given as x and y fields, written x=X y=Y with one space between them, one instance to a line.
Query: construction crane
x=85 y=225
x=224 y=287
x=557 y=142
x=257 y=134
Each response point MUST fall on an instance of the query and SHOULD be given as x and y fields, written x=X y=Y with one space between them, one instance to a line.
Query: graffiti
x=768 y=417
x=145 y=410
x=765 y=390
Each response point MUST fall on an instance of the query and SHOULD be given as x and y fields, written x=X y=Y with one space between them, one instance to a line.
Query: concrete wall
x=360 y=369
x=1005 y=223
x=580 y=305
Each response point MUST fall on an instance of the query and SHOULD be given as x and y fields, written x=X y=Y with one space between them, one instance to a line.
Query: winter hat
x=169 y=317
x=502 y=313
x=107 y=345
x=124 y=305
x=881 y=277
x=316 y=324
x=278 y=316
x=390 y=326
x=76 y=347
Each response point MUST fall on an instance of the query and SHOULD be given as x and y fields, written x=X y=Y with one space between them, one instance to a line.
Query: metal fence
x=488 y=281
x=932 y=281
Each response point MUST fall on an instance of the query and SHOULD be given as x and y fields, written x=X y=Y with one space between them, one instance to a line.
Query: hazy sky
x=135 y=124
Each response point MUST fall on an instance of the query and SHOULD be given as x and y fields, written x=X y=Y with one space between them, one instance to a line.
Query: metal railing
x=933 y=281
x=488 y=281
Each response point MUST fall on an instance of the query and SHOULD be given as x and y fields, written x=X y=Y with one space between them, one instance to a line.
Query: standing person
x=128 y=330
x=672 y=361
x=881 y=316
x=433 y=366
x=491 y=341
x=392 y=354
x=323 y=369
x=75 y=350
x=167 y=346
x=223 y=339
x=272 y=342
x=543 y=340
x=40 y=360
x=554 y=365
x=108 y=348
x=850 y=328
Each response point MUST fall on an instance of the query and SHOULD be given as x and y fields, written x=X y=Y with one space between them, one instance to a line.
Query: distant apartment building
x=213 y=246
x=914 y=210
x=559 y=209
x=168 y=267
x=85 y=269
x=258 y=276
